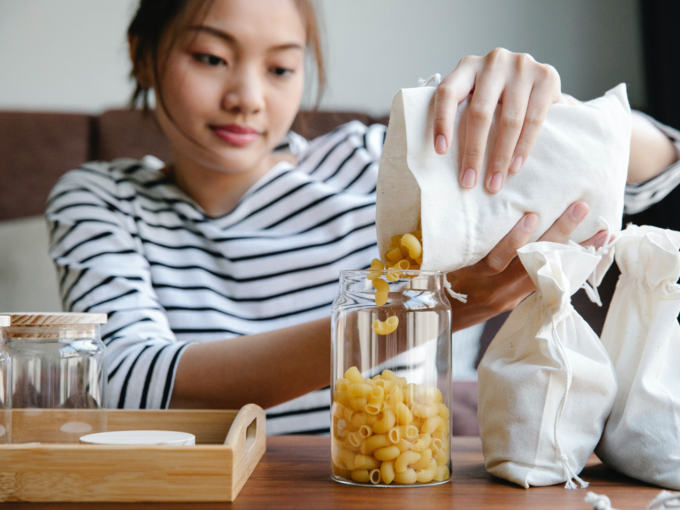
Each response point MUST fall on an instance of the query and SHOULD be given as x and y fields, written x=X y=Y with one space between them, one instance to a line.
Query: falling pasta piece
x=382 y=290
x=377 y=268
x=387 y=327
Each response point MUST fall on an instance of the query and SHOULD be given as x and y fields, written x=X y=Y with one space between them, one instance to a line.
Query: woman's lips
x=236 y=134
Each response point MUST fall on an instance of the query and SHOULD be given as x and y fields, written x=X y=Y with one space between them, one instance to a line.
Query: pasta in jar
x=397 y=434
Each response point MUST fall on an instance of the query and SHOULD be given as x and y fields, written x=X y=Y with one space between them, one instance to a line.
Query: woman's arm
x=267 y=368
x=651 y=151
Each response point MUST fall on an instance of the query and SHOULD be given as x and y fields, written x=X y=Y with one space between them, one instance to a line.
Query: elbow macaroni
x=387 y=327
x=389 y=431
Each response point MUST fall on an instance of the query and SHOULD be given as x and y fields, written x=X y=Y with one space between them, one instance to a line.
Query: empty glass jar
x=391 y=380
x=58 y=376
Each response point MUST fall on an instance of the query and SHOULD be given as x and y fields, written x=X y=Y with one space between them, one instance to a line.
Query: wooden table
x=294 y=474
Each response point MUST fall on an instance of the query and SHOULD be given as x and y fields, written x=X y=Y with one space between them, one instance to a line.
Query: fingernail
x=496 y=182
x=530 y=222
x=600 y=240
x=469 y=178
x=440 y=144
x=579 y=211
x=516 y=164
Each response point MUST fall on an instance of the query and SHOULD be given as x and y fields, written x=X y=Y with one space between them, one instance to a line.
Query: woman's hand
x=524 y=88
x=499 y=282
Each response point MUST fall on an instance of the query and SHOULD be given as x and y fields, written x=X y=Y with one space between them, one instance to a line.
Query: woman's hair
x=154 y=17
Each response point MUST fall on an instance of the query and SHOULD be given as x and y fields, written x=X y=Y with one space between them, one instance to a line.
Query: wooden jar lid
x=51 y=319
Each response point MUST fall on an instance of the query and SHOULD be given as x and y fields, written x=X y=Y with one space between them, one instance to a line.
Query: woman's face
x=233 y=83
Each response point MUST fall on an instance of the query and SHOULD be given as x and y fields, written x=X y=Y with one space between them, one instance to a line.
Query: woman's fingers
x=560 y=231
x=597 y=240
x=451 y=91
x=515 y=101
x=546 y=92
x=526 y=89
x=489 y=85
x=506 y=250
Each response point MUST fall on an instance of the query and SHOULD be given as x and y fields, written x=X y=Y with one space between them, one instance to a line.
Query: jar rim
x=414 y=272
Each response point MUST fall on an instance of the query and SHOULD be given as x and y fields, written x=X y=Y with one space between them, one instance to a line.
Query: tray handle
x=247 y=438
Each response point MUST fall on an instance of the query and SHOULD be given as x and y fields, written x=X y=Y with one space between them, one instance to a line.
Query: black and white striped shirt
x=127 y=242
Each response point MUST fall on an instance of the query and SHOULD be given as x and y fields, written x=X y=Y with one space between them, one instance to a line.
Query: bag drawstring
x=663 y=498
x=568 y=473
x=433 y=80
x=455 y=295
x=591 y=289
x=599 y=501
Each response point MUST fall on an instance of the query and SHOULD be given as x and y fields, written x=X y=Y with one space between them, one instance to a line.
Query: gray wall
x=71 y=54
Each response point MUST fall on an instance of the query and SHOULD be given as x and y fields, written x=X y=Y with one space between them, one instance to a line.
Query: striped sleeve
x=101 y=268
x=643 y=195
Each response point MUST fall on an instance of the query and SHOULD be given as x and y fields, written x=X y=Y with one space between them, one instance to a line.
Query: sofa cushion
x=28 y=279
x=35 y=150
x=128 y=134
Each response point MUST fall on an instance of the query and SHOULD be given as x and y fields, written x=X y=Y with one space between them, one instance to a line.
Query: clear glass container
x=391 y=381
x=5 y=374
x=59 y=376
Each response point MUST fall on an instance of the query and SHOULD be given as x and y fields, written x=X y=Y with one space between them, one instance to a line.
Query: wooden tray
x=214 y=470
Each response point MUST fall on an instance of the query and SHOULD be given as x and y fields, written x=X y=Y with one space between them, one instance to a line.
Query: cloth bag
x=546 y=384
x=642 y=336
x=581 y=154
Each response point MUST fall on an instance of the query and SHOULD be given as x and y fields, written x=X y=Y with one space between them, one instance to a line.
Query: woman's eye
x=280 y=71
x=209 y=60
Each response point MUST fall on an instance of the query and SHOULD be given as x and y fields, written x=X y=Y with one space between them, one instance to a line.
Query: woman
x=218 y=271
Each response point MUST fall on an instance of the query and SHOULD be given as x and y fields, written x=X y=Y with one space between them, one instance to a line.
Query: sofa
x=37 y=148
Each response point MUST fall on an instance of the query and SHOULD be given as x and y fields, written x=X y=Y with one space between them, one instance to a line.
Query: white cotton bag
x=546 y=384
x=642 y=336
x=581 y=154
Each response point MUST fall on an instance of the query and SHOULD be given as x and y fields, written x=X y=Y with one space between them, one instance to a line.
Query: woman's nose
x=245 y=93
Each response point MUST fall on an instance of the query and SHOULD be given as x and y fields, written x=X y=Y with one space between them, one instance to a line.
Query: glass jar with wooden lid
x=58 y=376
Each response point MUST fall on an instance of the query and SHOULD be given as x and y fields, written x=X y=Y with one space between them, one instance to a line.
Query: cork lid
x=51 y=319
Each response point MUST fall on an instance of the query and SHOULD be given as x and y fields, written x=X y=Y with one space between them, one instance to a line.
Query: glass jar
x=59 y=376
x=391 y=381
x=5 y=400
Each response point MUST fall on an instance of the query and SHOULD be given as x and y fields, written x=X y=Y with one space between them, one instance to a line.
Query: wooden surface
x=294 y=474
x=122 y=473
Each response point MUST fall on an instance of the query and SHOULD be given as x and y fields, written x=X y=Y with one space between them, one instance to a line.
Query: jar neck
x=424 y=281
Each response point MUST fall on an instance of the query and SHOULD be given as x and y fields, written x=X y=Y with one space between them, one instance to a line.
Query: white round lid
x=141 y=437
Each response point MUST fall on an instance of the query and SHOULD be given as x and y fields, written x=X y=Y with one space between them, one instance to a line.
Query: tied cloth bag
x=642 y=336
x=581 y=153
x=546 y=384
